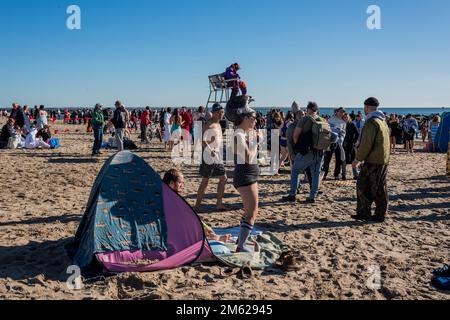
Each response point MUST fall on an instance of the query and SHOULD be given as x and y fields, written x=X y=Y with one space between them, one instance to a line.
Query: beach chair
x=219 y=92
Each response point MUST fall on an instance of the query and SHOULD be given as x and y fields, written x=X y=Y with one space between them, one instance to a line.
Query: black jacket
x=351 y=138
x=118 y=119
x=20 y=118
x=7 y=132
x=351 y=135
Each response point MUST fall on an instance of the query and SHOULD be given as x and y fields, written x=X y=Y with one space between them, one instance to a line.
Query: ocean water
x=417 y=111
x=388 y=110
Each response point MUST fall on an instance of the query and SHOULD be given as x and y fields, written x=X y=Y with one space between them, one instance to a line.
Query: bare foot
x=225 y=238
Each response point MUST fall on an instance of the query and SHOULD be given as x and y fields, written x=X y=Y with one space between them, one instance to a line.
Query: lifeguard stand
x=219 y=92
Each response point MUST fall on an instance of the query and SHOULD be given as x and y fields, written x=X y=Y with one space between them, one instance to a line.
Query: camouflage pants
x=372 y=186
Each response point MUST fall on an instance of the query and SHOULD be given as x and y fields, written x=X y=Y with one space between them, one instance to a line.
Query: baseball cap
x=313 y=106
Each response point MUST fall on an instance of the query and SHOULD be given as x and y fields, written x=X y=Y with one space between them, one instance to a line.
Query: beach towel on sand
x=267 y=250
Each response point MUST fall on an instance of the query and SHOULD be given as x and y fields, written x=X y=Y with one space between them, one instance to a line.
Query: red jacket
x=187 y=119
x=145 y=118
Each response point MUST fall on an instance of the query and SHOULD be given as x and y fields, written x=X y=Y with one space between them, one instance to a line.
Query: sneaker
x=310 y=200
x=289 y=199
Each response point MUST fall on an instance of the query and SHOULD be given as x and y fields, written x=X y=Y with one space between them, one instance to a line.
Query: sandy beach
x=44 y=194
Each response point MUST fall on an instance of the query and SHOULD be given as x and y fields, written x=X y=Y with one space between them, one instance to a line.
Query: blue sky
x=160 y=53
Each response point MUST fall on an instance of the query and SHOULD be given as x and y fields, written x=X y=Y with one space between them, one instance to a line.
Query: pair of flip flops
x=287 y=262
x=244 y=273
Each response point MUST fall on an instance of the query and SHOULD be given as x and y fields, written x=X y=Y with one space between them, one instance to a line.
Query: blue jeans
x=98 y=139
x=301 y=163
x=355 y=172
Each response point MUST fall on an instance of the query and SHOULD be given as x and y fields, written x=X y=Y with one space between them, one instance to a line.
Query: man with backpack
x=119 y=122
x=311 y=137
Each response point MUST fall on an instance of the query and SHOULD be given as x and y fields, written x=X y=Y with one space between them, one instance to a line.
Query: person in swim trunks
x=212 y=165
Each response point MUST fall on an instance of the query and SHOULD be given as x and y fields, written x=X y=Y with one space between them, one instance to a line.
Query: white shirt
x=167 y=117
x=30 y=141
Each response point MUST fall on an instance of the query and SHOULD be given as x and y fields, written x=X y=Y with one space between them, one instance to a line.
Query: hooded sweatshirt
x=339 y=127
x=374 y=147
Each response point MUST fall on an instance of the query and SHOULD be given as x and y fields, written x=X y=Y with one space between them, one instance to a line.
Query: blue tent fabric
x=442 y=137
x=125 y=211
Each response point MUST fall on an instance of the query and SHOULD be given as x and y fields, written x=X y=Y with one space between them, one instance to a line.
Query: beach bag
x=321 y=134
x=14 y=142
x=54 y=143
x=129 y=145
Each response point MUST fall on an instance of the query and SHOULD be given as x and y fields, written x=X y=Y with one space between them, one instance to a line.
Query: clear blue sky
x=160 y=53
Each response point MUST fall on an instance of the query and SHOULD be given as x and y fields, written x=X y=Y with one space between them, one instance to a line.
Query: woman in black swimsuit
x=246 y=174
x=394 y=125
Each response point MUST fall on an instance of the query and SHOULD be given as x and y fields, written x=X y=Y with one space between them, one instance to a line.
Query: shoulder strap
x=314 y=119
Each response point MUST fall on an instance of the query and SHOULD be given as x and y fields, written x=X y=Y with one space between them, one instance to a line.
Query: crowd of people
x=307 y=144
x=26 y=128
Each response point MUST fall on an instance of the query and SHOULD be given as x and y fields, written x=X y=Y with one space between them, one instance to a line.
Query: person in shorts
x=212 y=166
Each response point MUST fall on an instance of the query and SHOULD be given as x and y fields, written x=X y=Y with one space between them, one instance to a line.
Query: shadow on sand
x=33 y=259
x=47 y=220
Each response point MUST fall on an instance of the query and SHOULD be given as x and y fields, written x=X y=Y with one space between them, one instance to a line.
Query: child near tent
x=175 y=180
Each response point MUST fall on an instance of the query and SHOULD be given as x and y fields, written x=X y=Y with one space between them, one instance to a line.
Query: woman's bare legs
x=284 y=156
x=393 y=144
x=250 y=199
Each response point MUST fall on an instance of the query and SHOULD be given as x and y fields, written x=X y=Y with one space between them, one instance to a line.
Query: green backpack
x=321 y=134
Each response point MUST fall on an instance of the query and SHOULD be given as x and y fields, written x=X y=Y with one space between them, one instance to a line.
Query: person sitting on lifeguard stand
x=231 y=73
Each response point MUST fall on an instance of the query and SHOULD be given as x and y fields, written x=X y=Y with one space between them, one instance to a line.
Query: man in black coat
x=119 y=121
x=6 y=133
x=18 y=115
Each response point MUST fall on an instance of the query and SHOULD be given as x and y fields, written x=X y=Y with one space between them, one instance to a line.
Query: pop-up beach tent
x=135 y=223
x=443 y=134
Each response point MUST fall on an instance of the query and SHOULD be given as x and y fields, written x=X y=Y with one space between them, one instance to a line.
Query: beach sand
x=44 y=193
